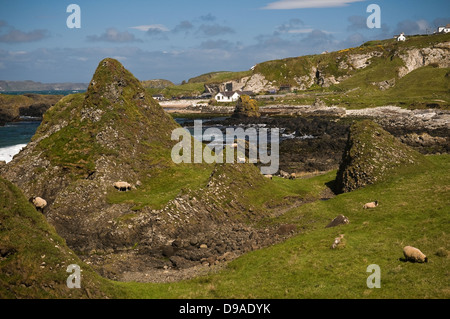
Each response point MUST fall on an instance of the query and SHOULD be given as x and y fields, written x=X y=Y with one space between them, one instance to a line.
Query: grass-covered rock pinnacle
x=372 y=155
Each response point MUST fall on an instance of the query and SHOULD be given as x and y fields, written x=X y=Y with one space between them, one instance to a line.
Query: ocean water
x=15 y=136
x=47 y=92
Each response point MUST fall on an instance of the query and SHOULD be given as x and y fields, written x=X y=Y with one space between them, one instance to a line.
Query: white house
x=158 y=97
x=401 y=37
x=228 y=96
x=445 y=29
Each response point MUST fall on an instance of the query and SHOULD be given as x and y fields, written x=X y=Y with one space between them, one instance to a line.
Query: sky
x=179 y=39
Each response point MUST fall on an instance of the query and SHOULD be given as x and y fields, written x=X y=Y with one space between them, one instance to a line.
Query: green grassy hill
x=373 y=82
x=413 y=211
x=33 y=258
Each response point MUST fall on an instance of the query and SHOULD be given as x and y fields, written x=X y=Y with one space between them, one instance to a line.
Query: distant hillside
x=218 y=77
x=156 y=84
x=414 y=73
x=38 y=86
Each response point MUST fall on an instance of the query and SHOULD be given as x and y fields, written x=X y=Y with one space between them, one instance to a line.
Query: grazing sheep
x=370 y=205
x=284 y=174
x=38 y=202
x=337 y=241
x=293 y=176
x=122 y=186
x=339 y=220
x=414 y=254
x=268 y=176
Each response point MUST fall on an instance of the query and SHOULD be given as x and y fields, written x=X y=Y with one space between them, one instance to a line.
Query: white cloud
x=145 y=28
x=302 y=4
x=113 y=35
x=18 y=52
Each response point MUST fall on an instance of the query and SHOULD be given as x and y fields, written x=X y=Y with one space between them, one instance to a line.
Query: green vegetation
x=33 y=258
x=164 y=185
x=412 y=211
x=371 y=155
x=106 y=106
x=219 y=77
x=358 y=88
x=156 y=84
x=188 y=89
x=247 y=106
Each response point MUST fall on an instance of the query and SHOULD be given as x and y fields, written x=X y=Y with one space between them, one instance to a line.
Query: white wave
x=7 y=153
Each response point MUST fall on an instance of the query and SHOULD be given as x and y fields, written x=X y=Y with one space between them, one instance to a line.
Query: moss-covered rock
x=117 y=132
x=372 y=155
x=86 y=142
x=33 y=258
x=246 y=107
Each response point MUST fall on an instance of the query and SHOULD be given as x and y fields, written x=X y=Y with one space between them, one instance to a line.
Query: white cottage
x=229 y=96
x=401 y=37
x=445 y=29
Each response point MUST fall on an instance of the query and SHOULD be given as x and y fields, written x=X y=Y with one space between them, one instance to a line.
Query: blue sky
x=176 y=40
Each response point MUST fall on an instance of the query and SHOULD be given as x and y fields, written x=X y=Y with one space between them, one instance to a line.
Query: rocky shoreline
x=426 y=130
x=14 y=107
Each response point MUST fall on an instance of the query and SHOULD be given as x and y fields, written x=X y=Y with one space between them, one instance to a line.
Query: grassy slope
x=413 y=211
x=34 y=258
x=416 y=90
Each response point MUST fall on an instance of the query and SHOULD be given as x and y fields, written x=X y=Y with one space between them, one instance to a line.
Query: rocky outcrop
x=372 y=155
x=246 y=107
x=34 y=259
x=258 y=83
x=233 y=85
x=117 y=132
x=12 y=107
x=395 y=117
x=416 y=58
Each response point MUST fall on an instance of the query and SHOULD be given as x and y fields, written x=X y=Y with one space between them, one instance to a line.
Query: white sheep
x=370 y=205
x=38 y=202
x=337 y=241
x=414 y=254
x=284 y=174
x=268 y=176
x=122 y=186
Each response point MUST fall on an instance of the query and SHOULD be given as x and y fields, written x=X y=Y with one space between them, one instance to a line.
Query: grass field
x=414 y=210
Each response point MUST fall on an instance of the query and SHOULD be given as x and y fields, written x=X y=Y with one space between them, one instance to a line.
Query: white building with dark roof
x=445 y=29
x=230 y=96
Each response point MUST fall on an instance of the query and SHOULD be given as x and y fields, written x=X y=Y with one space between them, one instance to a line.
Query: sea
x=16 y=135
